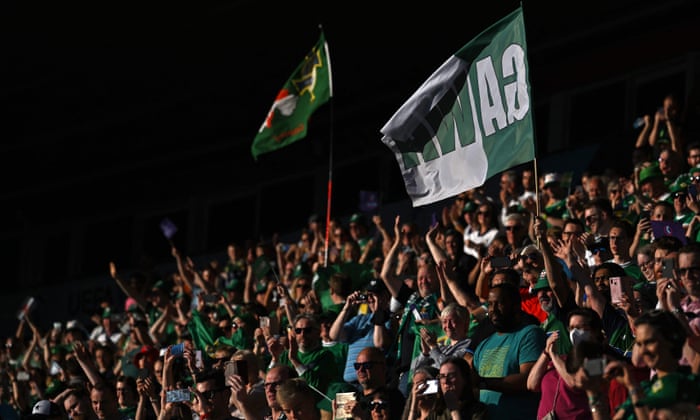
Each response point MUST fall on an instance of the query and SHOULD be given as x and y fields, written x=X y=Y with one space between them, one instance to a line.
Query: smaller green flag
x=308 y=88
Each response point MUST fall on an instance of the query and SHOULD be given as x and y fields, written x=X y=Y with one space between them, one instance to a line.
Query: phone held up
x=618 y=287
x=177 y=395
x=237 y=367
x=500 y=262
x=594 y=367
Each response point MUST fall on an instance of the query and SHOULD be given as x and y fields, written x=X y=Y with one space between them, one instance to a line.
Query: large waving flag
x=470 y=120
x=309 y=87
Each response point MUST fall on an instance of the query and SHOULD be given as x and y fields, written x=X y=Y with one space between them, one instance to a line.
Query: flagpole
x=330 y=152
x=537 y=186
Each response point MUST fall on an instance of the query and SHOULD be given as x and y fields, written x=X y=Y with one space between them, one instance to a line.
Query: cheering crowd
x=578 y=299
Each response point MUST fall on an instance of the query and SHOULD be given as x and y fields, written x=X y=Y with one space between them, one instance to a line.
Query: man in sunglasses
x=211 y=395
x=274 y=377
x=305 y=354
x=362 y=329
x=371 y=368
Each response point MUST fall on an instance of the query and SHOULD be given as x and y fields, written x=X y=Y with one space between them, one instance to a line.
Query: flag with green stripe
x=470 y=120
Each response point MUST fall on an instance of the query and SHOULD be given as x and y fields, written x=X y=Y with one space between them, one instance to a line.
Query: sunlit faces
x=501 y=309
x=451 y=379
x=619 y=243
x=307 y=334
x=601 y=280
x=652 y=346
x=689 y=272
x=453 y=326
x=592 y=218
x=427 y=280
x=662 y=212
x=659 y=256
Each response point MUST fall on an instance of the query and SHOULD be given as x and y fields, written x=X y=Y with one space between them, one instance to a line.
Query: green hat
x=649 y=173
x=680 y=184
x=469 y=207
x=358 y=218
x=695 y=170
x=107 y=312
x=159 y=286
x=261 y=287
x=234 y=284
x=301 y=270
x=261 y=267
x=542 y=283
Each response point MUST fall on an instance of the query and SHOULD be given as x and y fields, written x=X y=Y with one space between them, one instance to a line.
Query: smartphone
x=22 y=376
x=500 y=262
x=237 y=367
x=669 y=268
x=618 y=287
x=594 y=367
x=177 y=395
x=432 y=387
x=264 y=321
x=177 y=350
x=693 y=191
x=210 y=299
x=55 y=368
x=198 y=361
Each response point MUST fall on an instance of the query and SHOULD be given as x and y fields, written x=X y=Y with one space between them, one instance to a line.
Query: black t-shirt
x=393 y=395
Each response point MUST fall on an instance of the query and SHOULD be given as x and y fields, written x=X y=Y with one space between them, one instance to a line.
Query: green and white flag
x=308 y=88
x=470 y=120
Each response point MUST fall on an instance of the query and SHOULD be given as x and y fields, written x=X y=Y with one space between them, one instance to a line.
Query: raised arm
x=389 y=277
x=435 y=250
x=386 y=237
x=555 y=273
x=84 y=358
x=126 y=288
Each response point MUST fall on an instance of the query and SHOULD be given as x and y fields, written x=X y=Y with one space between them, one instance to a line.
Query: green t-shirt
x=664 y=392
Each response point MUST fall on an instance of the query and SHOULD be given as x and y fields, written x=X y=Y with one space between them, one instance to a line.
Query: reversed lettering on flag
x=470 y=120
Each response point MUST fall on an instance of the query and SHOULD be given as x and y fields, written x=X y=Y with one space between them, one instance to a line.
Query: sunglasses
x=378 y=405
x=364 y=365
x=532 y=256
x=303 y=330
x=688 y=271
x=272 y=384
x=210 y=394
x=512 y=228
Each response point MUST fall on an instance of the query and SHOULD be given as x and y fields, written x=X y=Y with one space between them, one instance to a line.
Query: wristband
x=379 y=317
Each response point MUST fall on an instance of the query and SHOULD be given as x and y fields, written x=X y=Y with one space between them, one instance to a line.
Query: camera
x=361 y=298
x=594 y=367
x=432 y=387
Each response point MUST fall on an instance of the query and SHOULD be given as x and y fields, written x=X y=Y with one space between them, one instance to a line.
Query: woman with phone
x=457 y=395
x=420 y=404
